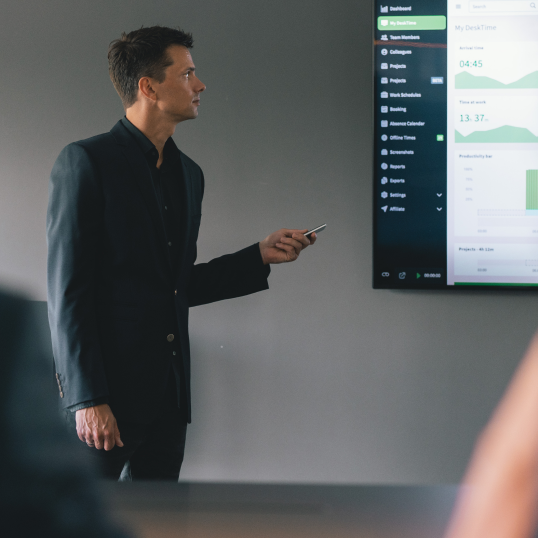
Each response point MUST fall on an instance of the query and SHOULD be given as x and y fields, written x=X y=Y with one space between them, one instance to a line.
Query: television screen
x=456 y=144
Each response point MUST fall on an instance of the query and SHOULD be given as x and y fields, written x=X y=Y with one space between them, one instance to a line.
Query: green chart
x=467 y=81
x=532 y=190
x=502 y=135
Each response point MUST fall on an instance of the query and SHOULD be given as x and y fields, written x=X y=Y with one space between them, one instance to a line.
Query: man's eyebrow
x=190 y=69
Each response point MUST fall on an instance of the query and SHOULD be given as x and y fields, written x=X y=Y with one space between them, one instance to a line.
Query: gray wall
x=321 y=378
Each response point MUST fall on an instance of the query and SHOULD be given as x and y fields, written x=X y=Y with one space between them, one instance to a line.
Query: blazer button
x=170 y=337
x=175 y=292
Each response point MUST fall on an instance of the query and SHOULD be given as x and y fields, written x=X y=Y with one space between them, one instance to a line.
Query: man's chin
x=193 y=113
x=184 y=117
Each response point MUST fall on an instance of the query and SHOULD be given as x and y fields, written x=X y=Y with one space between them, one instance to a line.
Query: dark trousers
x=150 y=451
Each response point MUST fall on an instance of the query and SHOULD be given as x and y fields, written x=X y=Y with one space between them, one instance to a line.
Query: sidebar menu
x=410 y=165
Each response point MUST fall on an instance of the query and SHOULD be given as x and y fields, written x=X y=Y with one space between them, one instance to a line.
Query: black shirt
x=166 y=179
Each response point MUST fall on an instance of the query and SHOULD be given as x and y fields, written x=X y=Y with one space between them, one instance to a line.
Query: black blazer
x=111 y=292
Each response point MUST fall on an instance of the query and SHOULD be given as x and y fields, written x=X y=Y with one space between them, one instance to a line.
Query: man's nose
x=201 y=85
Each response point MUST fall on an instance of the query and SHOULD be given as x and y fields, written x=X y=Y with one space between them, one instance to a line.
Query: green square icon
x=440 y=138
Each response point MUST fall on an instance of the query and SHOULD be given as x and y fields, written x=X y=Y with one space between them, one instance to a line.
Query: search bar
x=503 y=6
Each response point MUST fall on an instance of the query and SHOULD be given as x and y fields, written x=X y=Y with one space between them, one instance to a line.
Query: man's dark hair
x=142 y=53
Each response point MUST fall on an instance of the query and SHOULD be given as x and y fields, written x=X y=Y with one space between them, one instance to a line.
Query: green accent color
x=467 y=81
x=437 y=22
x=418 y=275
x=532 y=189
x=440 y=138
x=502 y=135
x=491 y=284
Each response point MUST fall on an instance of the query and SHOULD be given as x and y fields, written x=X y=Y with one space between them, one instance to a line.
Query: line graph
x=507 y=134
x=496 y=119
x=500 y=65
x=468 y=81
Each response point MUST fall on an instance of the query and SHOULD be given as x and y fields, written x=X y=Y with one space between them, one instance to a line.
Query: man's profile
x=122 y=226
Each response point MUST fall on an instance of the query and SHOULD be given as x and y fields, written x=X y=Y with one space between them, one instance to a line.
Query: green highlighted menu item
x=434 y=22
x=532 y=190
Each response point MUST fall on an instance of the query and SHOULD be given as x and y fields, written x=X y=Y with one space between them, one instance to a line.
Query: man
x=122 y=225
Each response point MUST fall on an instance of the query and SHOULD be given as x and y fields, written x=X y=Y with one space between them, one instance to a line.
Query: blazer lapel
x=185 y=205
x=180 y=199
x=141 y=173
x=178 y=194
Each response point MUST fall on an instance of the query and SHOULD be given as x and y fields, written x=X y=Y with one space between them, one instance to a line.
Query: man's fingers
x=87 y=437
x=301 y=238
x=109 y=440
x=285 y=247
x=296 y=244
x=96 y=426
x=288 y=251
x=98 y=439
x=285 y=232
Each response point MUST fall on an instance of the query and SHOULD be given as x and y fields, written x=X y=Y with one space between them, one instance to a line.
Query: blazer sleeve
x=232 y=275
x=74 y=221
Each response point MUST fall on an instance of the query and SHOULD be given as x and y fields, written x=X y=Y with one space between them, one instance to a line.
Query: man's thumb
x=117 y=437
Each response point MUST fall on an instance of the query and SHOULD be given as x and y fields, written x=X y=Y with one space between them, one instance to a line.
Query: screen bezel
x=418 y=286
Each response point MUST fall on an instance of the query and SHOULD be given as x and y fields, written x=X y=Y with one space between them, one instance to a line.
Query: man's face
x=178 y=96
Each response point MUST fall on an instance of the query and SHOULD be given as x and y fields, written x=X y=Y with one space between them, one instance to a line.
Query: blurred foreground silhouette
x=499 y=497
x=45 y=487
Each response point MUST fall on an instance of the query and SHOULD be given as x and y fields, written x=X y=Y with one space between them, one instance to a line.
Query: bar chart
x=532 y=192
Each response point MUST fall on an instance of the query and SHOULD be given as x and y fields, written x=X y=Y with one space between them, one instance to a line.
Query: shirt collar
x=148 y=147
x=142 y=140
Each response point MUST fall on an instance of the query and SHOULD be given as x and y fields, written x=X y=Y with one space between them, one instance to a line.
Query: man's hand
x=96 y=426
x=285 y=245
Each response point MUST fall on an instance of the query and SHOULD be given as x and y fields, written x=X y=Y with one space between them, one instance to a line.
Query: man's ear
x=145 y=87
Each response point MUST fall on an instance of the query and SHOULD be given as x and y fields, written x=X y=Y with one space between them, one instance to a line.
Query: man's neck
x=156 y=130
